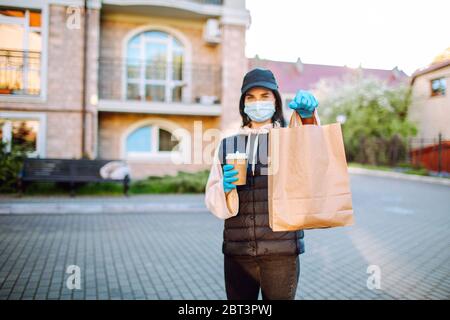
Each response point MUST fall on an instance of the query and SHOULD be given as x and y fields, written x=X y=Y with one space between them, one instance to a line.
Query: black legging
x=277 y=276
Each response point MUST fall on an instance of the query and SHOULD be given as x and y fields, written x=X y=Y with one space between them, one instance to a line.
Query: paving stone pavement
x=401 y=226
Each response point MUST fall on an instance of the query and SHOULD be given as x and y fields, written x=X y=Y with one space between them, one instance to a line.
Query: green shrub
x=376 y=128
x=10 y=165
x=183 y=182
x=418 y=171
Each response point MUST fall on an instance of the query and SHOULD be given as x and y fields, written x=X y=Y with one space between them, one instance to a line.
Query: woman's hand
x=304 y=103
x=229 y=177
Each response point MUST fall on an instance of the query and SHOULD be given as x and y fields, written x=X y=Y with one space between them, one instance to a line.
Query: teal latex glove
x=304 y=103
x=229 y=177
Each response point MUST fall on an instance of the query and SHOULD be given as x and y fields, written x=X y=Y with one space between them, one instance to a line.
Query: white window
x=438 y=87
x=154 y=67
x=150 y=141
x=25 y=132
x=20 y=52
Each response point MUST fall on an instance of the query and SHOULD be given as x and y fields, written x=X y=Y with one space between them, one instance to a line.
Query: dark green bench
x=68 y=171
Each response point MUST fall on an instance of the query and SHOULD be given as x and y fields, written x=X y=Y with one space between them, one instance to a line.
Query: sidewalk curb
x=71 y=208
x=398 y=175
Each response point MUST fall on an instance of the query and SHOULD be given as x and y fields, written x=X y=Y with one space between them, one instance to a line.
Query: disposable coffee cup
x=239 y=161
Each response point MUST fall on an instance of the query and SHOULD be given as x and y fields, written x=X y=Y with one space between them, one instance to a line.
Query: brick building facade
x=148 y=68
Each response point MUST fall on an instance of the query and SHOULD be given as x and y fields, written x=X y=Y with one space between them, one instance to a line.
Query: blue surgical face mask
x=260 y=111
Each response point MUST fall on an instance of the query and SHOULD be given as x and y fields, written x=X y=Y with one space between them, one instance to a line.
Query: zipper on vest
x=254 y=214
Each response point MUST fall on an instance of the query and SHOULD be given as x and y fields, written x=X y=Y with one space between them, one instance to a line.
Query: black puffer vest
x=248 y=233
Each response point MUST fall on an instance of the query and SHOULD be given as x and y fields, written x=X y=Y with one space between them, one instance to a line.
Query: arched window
x=150 y=140
x=154 y=67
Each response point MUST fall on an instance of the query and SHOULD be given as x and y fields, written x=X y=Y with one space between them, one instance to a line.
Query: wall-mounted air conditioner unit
x=211 y=31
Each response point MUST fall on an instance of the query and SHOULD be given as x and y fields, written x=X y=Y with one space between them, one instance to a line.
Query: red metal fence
x=433 y=155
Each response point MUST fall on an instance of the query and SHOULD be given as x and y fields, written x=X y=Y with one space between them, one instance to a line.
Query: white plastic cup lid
x=238 y=155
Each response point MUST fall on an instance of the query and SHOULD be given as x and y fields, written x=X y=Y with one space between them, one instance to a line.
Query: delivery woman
x=255 y=257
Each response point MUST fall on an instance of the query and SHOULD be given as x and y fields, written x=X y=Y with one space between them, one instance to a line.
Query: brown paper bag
x=308 y=180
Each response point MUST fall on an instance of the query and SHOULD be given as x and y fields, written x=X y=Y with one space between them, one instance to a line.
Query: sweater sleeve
x=222 y=205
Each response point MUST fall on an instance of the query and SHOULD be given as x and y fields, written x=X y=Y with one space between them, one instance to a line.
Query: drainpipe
x=83 y=86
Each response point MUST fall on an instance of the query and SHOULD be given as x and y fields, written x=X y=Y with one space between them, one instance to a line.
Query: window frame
x=154 y=153
x=41 y=134
x=43 y=7
x=186 y=94
x=438 y=93
x=168 y=83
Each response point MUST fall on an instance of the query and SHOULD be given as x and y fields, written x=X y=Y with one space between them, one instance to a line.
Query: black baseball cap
x=259 y=77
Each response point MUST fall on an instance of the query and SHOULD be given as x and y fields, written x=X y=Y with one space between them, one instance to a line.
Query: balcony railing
x=144 y=81
x=20 y=72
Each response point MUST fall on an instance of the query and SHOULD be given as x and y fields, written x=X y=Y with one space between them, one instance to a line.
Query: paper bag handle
x=296 y=119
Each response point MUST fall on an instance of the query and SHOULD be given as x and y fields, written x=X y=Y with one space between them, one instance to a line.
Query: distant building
x=292 y=76
x=431 y=100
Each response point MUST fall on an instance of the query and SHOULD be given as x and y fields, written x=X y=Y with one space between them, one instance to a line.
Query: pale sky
x=376 y=33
